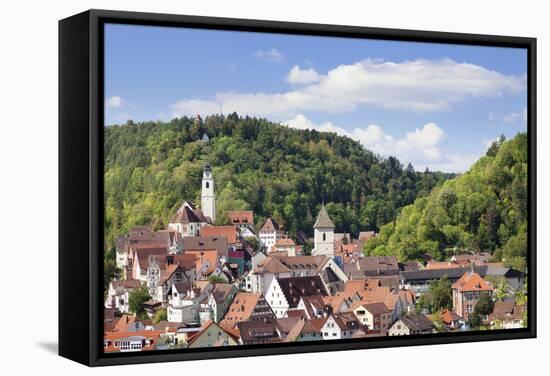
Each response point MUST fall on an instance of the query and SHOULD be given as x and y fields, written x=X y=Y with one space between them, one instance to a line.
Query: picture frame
x=81 y=119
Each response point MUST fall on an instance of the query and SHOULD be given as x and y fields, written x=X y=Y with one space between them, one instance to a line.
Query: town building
x=285 y=293
x=323 y=234
x=269 y=233
x=188 y=220
x=340 y=326
x=412 y=324
x=211 y=335
x=467 y=291
x=246 y=306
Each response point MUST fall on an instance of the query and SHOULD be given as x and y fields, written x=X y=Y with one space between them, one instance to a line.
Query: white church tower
x=208 y=197
x=323 y=236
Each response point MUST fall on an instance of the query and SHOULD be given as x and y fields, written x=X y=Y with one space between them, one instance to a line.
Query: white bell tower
x=323 y=234
x=208 y=197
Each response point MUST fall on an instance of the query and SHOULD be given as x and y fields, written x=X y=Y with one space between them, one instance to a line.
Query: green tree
x=217 y=279
x=160 y=315
x=136 y=299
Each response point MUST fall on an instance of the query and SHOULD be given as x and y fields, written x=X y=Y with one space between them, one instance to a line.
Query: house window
x=470 y=308
x=324 y=236
x=207 y=185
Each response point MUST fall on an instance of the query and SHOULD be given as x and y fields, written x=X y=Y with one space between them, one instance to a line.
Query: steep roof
x=222 y=291
x=323 y=220
x=471 y=281
x=241 y=308
x=270 y=225
x=241 y=217
x=295 y=287
x=346 y=320
x=185 y=214
x=271 y=265
x=448 y=316
x=284 y=242
x=417 y=322
x=507 y=310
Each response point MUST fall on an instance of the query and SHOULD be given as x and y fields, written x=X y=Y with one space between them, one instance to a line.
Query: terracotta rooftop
x=471 y=281
x=241 y=217
x=241 y=308
x=270 y=225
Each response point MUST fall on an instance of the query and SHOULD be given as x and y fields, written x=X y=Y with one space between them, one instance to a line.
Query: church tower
x=208 y=197
x=323 y=236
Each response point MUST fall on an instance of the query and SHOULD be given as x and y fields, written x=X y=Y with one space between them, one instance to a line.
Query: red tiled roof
x=230 y=232
x=472 y=282
x=270 y=225
x=241 y=217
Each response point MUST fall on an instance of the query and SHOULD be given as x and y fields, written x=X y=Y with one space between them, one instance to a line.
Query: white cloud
x=421 y=147
x=419 y=85
x=273 y=55
x=515 y=117
x=113 y=102
x=193 y=107
x=302 y=76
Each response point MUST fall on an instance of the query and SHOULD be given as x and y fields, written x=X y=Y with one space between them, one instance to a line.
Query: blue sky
x=433 y=105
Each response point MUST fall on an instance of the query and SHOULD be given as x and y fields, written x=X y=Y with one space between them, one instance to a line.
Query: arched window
x=207 y=185
x=324 y=236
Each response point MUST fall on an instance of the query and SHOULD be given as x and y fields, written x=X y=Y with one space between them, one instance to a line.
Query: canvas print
x=263 y=189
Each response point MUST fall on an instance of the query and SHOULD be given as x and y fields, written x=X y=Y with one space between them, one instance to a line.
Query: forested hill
x=150 y=168
x=485 y=209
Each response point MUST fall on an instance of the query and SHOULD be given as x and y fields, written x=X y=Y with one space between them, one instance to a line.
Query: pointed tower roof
x=323 y=220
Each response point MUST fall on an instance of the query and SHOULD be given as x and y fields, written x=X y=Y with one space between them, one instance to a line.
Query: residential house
x=130 y=341
x=141 y=237
x=377 y=317
x=311 y=330
x=243 y=219
x=183 y=306
x=340 y=326
x=467 y=291
x=257 y=332
x=269 y=233
x=119 y=294
x=211 y=335
x=284 y=246
x=196 y=244
x=220 y=299
x=285 y=293
x=259 y=279
x=411 y=324
x=507 y=315
x=449 y=319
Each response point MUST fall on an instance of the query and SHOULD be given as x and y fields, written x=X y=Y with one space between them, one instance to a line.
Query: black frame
x=81 y=112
